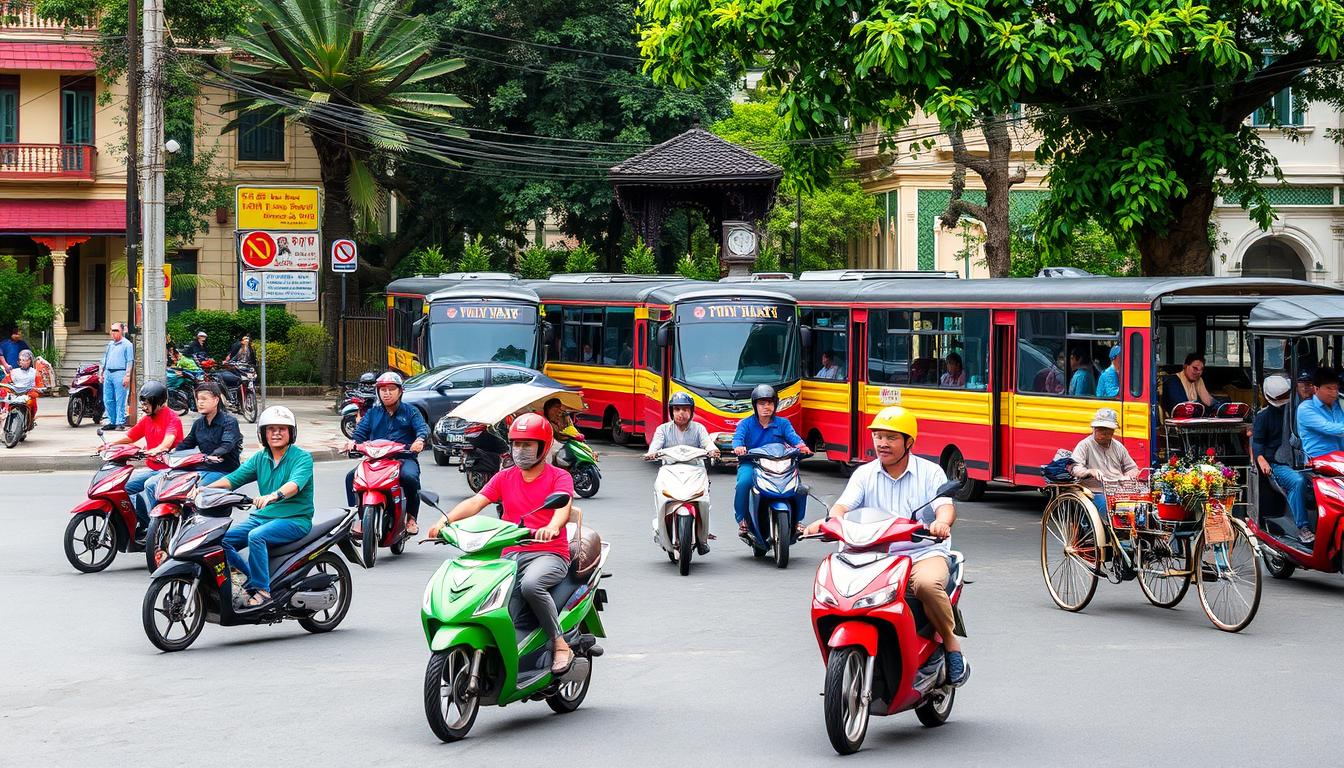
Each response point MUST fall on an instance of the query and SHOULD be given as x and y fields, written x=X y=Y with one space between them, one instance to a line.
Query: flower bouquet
x=1189 y=483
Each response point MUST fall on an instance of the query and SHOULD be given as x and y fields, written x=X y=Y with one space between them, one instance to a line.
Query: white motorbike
x=681 y=504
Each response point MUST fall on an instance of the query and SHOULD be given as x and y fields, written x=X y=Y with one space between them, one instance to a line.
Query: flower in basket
x=1191 y=482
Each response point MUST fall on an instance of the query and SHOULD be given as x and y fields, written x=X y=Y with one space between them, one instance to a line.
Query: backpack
x=1057 y=471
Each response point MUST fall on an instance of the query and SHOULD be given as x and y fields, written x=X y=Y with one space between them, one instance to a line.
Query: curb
x=90 y=463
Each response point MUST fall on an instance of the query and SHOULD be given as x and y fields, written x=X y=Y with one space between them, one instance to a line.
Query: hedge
x=222 y=329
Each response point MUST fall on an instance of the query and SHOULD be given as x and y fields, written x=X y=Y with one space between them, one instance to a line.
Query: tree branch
x=962 y=156
x=1250 y=95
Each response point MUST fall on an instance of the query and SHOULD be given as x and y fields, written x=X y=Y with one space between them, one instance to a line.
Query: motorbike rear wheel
x=571 y=694
x=845 y=712
x=325 y=621
x=75 y=411
x=685 y=543
x=937 y=707
x=158 y=538
x=348 y=424
x=586 y=482
x=372 y=532
x=249 y=402
x=446 y=696
x=83 y=532
x=783 y=535
x=1277 y=565
x=476 y=480
x=13 y=428
x=167 y=603
x=178 y=401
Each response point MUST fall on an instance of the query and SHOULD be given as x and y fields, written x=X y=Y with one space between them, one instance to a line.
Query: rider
x=215 y=434
x=1101 y=458
x=1274 y=455
x=161 y=429
x=400 y=423
x=764 y=428
x=682 y=429
x=241 y=353
x=25 y=378
x=895 y=482
x=521 y=489
x=283 y=510
x=562 y=426
x=196 y=349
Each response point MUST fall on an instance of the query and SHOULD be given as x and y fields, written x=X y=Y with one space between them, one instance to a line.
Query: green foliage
x=767 y=260
x=474 y=257
x=639 y=260
x=277 y=360
x=581 y=259
x=703 y=265
x=1090 y=248
x=23 y=297
x=534 y=263
x=307 y=347
x=425 y=260
x=222 y=329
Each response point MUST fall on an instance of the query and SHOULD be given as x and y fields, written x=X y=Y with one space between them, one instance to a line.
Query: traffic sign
x=282 y=251
x=278 y=207
x=167 y=281
x=344 y=256
x=272 y=287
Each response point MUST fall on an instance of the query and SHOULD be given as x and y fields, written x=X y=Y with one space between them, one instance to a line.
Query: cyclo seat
x=319 y=530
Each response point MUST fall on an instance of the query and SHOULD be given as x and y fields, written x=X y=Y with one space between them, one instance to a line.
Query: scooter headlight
x=880 y=597
x=496 y=598
x=189 y=545
x=819 y=593
x=469 y=541
x=775 y=466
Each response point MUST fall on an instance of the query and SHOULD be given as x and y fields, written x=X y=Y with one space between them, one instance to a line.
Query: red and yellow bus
x=472 y=317
x=1003 y=373
x=631 y=343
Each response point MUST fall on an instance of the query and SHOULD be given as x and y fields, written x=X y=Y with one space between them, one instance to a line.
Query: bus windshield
x=726 y=356
x=476 y=333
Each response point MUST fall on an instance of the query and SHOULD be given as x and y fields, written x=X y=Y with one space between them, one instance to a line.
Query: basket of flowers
x=1184 y=486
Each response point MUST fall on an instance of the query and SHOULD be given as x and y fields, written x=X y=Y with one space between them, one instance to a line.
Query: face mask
x=525 y=456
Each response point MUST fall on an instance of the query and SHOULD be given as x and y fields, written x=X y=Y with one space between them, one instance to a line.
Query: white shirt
x=872 y=487
x=668 y=434
x=23 y=380
x=830 y=372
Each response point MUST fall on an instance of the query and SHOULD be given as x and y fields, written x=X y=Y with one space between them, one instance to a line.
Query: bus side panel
x=826 y=411
x=607 y=389
x=649 y=400
x=1044 y=425
x=948 y=418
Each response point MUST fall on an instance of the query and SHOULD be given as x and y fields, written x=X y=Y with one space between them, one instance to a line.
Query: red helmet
x=533 y=426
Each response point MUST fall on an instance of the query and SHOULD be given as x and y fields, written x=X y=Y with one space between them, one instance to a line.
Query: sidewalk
x=54 y=445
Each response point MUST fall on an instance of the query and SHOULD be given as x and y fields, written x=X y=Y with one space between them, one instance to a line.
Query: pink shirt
x=522 y=498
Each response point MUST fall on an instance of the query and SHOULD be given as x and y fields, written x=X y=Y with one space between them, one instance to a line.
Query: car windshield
x=469 y=341
x=734 y=354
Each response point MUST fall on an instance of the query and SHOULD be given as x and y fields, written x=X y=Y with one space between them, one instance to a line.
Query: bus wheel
x=955 y=467
x=618 y=434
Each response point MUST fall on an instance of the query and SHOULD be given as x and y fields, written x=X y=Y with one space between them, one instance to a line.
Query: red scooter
x=1272 y=522
x=882 y=655
x=105 y=523
x=86 y=396
x=165 y=519
x=382 y=508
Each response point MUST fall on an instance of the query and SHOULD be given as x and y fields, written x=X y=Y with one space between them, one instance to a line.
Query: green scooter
x=577 y=458
x=483 y=655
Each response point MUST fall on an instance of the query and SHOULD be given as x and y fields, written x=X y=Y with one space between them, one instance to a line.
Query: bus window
x=888 y=346
x=1040 y=353
x=828 y=357
x=1053 y=362
x=975 y=349
x=1136 y=365
x=655 y=352
x=618 y=336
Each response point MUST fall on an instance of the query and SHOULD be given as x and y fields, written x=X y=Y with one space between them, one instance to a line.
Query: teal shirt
x=1108 y=385
x=295 y=466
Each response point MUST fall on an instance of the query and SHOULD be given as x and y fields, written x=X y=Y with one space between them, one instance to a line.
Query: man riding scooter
x=895 y=482
x=763 y=428
x=161 y=429
x=401 y=423
x=215 y=434
x=683 y=430
x=26 y=379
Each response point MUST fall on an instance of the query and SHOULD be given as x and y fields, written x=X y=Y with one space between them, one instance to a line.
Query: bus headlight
x=787 y=403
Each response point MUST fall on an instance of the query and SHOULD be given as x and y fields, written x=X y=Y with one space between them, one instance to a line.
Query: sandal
x=563 y=660
x=258 y=599
x=412 y=527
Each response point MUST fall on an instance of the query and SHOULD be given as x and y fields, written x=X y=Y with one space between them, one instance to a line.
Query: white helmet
x=277 y=414
x=1276 y=389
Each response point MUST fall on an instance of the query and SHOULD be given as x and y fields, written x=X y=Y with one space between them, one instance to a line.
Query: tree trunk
x=1182 y=248
x=998 y=180
x=337 y=222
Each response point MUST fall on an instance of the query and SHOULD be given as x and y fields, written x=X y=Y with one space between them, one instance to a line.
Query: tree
x=1091 y=248
x=639 y=260
x=581 y=259
x=23 y=297
x=534 y=263
x=998 y=180
x=358 y=75
x=475 y=258
x=1140 y=107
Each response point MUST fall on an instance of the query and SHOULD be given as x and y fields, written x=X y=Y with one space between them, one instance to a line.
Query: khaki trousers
x=928 y=580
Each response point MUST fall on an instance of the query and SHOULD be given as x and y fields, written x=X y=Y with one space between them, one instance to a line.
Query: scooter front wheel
x=783 y=535
x=158 y=537
x=586 y=482
x=13 y=428
x=476 y=480
x=372 y=531
x=844 y=706
x=90 y=542
x=449 y=708
x=348 y=424
x=685 y=543
x=171 y=603
x=75 y=411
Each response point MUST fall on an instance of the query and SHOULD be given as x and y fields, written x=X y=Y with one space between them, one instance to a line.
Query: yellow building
x=63 y=182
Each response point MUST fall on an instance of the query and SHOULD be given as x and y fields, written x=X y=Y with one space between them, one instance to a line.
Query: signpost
x=344 y=259
x=279 y=207
x=277 y=287
x=288 y=251
x=167 y=280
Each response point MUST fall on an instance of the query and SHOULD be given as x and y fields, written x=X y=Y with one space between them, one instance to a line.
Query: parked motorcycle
x=1272 y=522
x=165 y=519
x=86 y=396
x=484 y=454
x=104 y=524
x=239 y=383
x=309 y=582
x=484 y=654
x=356 y=405
x=882 y=655
x=382 y=508
x=15 y=420
x=777 y=503
x=577 y=457
x=182 y=389
x=681 y=504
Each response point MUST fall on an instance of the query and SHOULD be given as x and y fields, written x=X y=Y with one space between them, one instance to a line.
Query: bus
x=463 y=318
x=631 y=343
x=987 y=364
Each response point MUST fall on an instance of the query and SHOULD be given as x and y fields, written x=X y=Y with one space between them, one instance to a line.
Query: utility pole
x=151 y=160
x=132 y=150
x=797 y=227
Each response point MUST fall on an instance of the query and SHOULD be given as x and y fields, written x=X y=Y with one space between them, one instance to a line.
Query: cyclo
x=1147 y=534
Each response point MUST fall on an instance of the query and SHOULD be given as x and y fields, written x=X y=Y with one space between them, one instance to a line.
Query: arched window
x=1272 y=258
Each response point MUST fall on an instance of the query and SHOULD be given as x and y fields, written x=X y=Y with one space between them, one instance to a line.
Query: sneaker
x=958 y=669
x=1305 y=536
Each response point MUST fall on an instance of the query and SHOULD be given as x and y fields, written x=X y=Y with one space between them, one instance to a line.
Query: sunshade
x=493 y=404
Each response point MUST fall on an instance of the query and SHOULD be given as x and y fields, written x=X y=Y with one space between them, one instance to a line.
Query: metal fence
x=363 y=344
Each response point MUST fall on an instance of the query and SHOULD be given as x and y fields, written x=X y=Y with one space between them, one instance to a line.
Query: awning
x=58 y=56
x=492 y=404
x=63 y=217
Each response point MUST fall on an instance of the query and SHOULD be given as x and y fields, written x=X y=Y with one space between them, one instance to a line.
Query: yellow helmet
x=896 y=419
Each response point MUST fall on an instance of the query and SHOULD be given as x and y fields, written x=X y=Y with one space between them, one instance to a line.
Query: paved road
x=720 y=666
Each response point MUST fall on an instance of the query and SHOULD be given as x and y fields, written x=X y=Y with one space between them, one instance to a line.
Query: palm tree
x=348 y=71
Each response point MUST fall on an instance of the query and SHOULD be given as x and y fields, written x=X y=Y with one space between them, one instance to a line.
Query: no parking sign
x=344 y=256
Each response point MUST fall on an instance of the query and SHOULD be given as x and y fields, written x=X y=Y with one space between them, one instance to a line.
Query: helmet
x=680 y=400
x=277 y=414
x=391 y=377
x=533 y=426
x=896 y=419
x=154 y=393
x=1276 y=389
x=764 y=392
x=367 y=378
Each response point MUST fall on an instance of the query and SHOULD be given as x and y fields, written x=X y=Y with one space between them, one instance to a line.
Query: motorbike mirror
x=664 y=335
x=430 y=498
x=948 y=488
x=556 y=500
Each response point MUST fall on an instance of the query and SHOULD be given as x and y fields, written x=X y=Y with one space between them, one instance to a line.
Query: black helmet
x=680 y=399
x=367 y=378
x=154 y=393
x=764 y=392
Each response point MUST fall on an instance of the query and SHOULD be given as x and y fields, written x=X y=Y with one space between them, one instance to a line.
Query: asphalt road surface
x=719 y=668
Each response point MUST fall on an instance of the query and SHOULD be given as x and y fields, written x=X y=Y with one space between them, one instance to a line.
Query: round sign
x=699 y=313
x=343 y=251
x=452 y=312
x=258 y=250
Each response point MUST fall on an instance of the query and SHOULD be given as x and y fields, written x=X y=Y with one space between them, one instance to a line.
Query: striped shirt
x=871 y=486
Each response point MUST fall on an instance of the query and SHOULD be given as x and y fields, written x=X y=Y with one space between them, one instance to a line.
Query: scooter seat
x=319 y=530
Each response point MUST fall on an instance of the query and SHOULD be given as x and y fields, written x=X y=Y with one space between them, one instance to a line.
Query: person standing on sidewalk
x=118 y=359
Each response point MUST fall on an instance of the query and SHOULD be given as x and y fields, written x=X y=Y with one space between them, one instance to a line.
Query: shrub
x=278 y=323
x=767 y=260
x=534 y=263
x=222 y=329
x=277 y=360
x=640 y=260
x=686 y=267
x=23 y=297
x=474 y=257
x=308 y=347
x=581 y=259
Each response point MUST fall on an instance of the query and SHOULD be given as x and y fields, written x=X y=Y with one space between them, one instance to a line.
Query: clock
x=741 y=240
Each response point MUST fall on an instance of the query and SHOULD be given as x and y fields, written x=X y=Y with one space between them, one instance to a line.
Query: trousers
x=256 y=534
x=1296 y=486
x=538 y=572
x=928 y=580
x=114 y=398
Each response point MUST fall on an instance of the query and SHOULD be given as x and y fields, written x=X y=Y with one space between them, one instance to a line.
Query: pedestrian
x=118 y=360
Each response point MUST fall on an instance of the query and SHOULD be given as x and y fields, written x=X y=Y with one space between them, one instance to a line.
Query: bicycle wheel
x=1070 y=553
x=1164 y=570
x=1228 y=579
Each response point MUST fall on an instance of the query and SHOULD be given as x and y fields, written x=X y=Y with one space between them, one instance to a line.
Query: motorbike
x=681 y=504
x=240 y=385
x=777 y=502
x=484 y=454
x=1272 y=523
x=182 y=389
x=882 y=656
x=165 y=519
x=381 y=505
x=353 y=409
x=86 y=396
x=104 y=524
x=481 y=652
x=15 y=420
x=577 y=457
x=309 y=582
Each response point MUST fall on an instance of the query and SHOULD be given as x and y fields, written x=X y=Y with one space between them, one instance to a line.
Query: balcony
x=36 y=162
x=21 y=16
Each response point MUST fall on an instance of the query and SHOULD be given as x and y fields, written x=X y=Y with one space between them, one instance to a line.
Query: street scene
x=646 y=382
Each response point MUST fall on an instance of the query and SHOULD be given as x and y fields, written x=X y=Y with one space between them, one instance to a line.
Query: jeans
x=1296 y=487
x=258 y=533
x=151 y=492
x=1099 y=500
x=538 y=572
x=135 y=488
x=746 y=479
x=410 y=487
x=114 y=397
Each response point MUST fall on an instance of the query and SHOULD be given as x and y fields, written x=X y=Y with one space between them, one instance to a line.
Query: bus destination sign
x=739 y=311
x=500 y=313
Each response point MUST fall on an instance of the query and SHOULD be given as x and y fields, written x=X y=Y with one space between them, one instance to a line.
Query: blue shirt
x=403 y=426
x=10 y=349
x=1321 y=428
x=1081 y=383
x=1108 y=384
x=750 y=434
x=118 y=356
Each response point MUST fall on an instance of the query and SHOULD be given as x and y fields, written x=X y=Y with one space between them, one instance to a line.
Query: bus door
x=858 y=376
x=1001 y=400
x=1137 y=391
x=650 y=385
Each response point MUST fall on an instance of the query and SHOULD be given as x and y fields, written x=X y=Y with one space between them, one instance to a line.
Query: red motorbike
x=353 y=408
x=86 y=396
x=382 y=508
x=882 y=655
x=165 y=519
x=104 y=524
x=1273 y=525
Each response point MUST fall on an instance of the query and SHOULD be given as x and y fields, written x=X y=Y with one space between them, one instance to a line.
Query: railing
x=20 y=14
x=48 y=161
